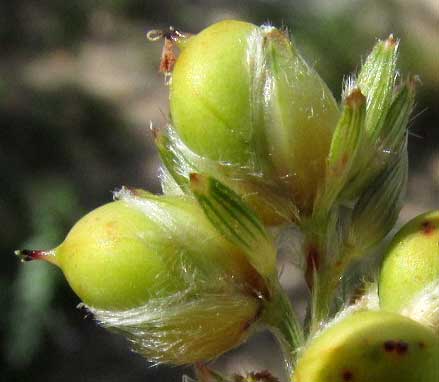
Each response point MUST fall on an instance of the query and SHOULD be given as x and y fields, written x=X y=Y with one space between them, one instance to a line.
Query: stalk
x=326 y=285
x=283 y=322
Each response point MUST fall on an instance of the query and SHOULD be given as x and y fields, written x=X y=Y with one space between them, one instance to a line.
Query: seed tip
x=355 y=98
x=28 y=254
x=31 y=254
x=391 y=41
x=428 y=227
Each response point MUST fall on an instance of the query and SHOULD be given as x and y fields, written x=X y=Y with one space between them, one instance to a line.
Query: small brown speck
x=428 y=227
x=391 y=41
x=402 y=347
x=355 y=99
x=194 y=177
x=348 y=375
x=389 y=346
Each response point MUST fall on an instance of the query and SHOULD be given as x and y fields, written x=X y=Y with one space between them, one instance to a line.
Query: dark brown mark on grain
x=348 y=375
x=402 y=347
x=428 y=227
x=389 y=346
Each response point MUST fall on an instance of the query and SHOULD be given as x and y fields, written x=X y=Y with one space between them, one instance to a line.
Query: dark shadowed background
x=79 y=86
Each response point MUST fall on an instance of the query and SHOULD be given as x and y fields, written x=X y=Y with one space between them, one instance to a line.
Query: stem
x=283 y=322
x=327 y=283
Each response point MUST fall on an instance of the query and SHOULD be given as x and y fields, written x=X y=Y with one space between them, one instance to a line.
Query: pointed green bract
x=300 y=117
x=236 y=221
x=376 y=80
x=377 y=209
x=344 y=148
x=387 y=115
x=240 y=225
x=371 y=346
x=394 y=130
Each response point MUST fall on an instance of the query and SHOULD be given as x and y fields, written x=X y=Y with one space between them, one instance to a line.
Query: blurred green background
x=79 y=86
